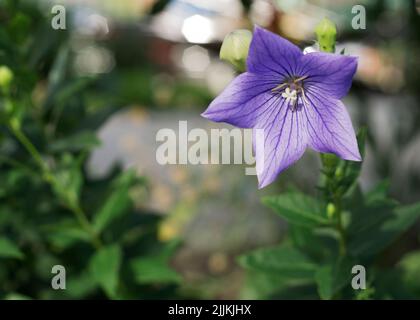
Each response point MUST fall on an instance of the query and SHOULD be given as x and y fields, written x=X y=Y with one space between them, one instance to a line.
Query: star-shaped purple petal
x=294 y=99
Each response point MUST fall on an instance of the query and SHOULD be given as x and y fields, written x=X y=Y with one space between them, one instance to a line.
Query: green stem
x=85 y=224
x=78 y=212
x=332 y=195
x=29 y=147
x=341 y=231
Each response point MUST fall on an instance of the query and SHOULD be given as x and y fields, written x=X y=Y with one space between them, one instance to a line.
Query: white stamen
x=290 y=96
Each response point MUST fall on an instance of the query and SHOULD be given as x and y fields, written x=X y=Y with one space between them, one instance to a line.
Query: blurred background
x=147 y=64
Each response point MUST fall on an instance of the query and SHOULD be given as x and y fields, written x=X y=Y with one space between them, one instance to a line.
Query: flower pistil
x=291 y=88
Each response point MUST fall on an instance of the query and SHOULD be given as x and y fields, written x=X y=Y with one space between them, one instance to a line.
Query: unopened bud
x=330 y=210
x=326 y=33
x=6 y=77
x=15 y=123
x=339 y=173
x=235 y=48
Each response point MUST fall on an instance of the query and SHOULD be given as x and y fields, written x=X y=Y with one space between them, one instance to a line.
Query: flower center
x=289 y=95
x=292 y=89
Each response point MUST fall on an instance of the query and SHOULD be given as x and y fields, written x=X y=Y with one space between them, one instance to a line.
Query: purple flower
x=294 y=98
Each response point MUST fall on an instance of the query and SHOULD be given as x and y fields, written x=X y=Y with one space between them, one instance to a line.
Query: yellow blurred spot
x=178 y=174
x=162 y=198
x=167 y=231
x=218 y=262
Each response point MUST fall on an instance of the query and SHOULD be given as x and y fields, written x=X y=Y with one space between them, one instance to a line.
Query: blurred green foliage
x=51 y=212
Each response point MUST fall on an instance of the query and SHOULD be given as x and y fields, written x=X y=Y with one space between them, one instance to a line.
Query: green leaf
x=68 y=180
x=379 y=192
x=72 y=89
x=9 y=250
x=410 y=265
x=269 y=286
x=369 y=216
x=65 y=233
x=78 y=142
x=379 y=224
x=153 y=270
x=117 y=203
x=80 y=285
x=58 y=71
x=309 y=241
x=105 y=267
x=16 y=296
x=324 y=280
x=331 y=278
x=297 y=208
x=405 y=217
x=281 y=260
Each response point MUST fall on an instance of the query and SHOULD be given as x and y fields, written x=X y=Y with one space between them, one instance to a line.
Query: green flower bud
x=6 y=77
x=326 y=33
x=330 y=210
x=15 y=123
x=339 y=173
x=235 y=48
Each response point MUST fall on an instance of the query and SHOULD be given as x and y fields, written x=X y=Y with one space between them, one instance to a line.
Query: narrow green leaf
x=405 y=217
x=153 y=270
x=117 y=203
x=324 y=280
x=379 y=192
x=410 y=265
x=105 y=267
x=65 y=233
x=58 y=71
x=282 y=260
x=386 y=223
x=9 y=250
x=57 y=75
x=309 y=241
x=78 y=142
x=68 y=180
x=263 y=285
x=331 y=278
x=16 y=296
x=297 y=208
x=81 y=285
x=72 y=89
